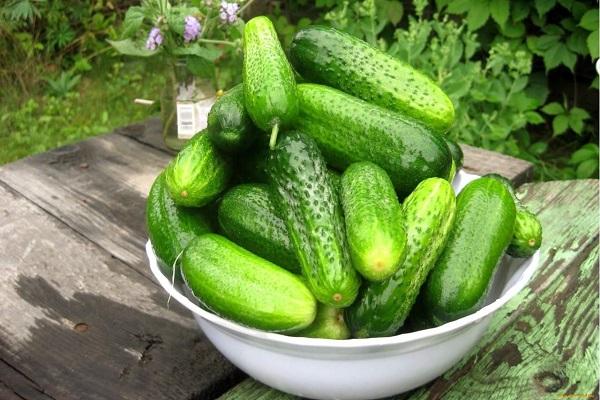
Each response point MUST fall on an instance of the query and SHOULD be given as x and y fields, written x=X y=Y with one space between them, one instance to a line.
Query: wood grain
x=76 y=323
x=97 y=187
x=543 y=343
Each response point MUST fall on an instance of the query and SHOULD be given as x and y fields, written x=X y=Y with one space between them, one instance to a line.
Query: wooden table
x=82 y=318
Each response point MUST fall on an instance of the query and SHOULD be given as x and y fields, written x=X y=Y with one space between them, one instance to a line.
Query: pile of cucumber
x=324 y=209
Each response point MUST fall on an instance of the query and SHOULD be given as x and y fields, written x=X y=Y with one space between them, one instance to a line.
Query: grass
x=100 y=102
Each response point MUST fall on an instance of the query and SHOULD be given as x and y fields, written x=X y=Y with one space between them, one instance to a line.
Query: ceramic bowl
x=358 y=369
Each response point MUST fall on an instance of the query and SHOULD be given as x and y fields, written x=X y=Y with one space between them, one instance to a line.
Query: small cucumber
x=305 y=198
x=269 y=82
x=328 y=324
x=527 y=236
x=198 y=174
x=229 y=125
x=327 y=56
x=349 y=130
x=382 y=307
x=245 y=288
x=247 y=217
x=374 y=221
x=455 y=151
x=457 y=285
x=171 y=227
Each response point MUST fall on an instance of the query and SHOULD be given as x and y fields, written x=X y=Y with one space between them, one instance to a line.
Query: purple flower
x=228 y=12
x=155 y=38
x=192 y=29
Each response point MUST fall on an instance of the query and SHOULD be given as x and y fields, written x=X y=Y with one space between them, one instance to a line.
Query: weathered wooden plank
x=76 y=323
x=479 y=161
x=98 y=187
x=544 y=342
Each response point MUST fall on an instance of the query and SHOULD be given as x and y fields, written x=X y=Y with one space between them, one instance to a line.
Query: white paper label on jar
x=192 y=117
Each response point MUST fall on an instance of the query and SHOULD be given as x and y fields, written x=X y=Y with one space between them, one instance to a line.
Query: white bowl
x=358 y=369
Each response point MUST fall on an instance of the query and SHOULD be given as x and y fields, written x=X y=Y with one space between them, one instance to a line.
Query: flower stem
x=273 y=140
x=213 y=41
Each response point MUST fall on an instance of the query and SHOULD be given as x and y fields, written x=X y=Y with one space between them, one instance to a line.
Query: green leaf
x=553 y=108
x=587 y=169
x=134 y=17
x=130 y=48
x=520 y=10
x=534 y=118
x=499 y=10
x=200 y=67
x=592 y=42
x=560 y=124
x=478 y=15
x=577 y=42
x=210 y=54
x=513 y=30
x=568 y=24
x=595 y=83
x=576 y=124
x=589 y=20
x=552 y=29
x=579 y=113
x=390 y=10
x=543 y=6
x=460 y=6
x=559 y=54
x=538 y=148
x=583 y=154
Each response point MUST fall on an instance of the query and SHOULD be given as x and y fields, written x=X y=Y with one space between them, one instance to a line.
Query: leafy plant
x=564 y=118
x=62 y=85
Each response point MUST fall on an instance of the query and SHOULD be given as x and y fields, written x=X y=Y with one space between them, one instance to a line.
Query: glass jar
x=184 y=105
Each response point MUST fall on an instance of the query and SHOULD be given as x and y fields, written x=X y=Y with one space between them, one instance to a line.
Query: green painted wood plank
x=544 y=342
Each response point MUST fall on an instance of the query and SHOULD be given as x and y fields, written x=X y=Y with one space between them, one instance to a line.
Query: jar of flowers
x=199 y=44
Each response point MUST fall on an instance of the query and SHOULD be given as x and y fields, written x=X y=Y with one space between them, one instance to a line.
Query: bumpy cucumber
x=328 y=56
x=374 y=221
x=171 y=227
x=382 y=307
x=305 y=198
x=198 y=174
x=247 y=217
x=269 y=83
x=348 y=130
x=457 y=285
x=527 y=236
x=455 y=151
x=229 y=125
x=328 y=324
x=241 y=286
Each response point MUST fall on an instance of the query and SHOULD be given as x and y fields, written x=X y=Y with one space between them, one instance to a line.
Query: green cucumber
x=241 y=286
x=455 y=151
x=458 y=284
x=527 y=236
x=247 y=217
x=269 y=82
x=374 y=221
x=198 y=174
x=171 y=227
x=327 y=56
x=305 y=198
x=348 y=130
x=382 y=307
x=328 y=324
x=229 y=125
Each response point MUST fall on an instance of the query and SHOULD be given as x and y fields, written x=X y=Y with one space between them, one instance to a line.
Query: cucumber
x=229 y=125
x=171 y=227
x=305 y=198
x=328 y=324
x=452 y=172
x=527 y=236
x=247 y=217
x=241 y=286
x=374 y=221
x=198 y=174
x=327 y=56
x=269 y=83
x=457 y=285
x=455 y=151
x=382 y=307
x=348 y=130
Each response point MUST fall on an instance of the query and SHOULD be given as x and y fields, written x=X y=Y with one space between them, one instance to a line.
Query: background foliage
x=520 y=73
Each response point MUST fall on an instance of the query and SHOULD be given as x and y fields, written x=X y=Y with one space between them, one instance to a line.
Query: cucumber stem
x=273 y=139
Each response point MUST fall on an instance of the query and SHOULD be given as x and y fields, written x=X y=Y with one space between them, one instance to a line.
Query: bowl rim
x=442 y=330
